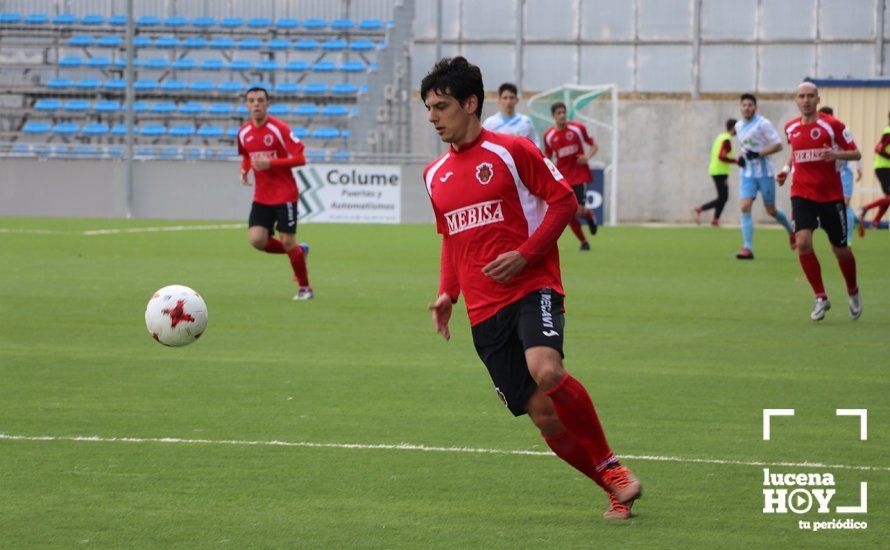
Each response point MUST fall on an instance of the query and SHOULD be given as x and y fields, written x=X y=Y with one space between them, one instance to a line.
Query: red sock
x=575 y=409
x=875 y=204
x=810 y=264
x=848 y=268
x=572 y=450
x=882 y=209
x=274 y=246
x=298 y=262
x=575 y=226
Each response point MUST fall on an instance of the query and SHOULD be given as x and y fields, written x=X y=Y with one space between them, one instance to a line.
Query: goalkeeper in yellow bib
x=721 y=164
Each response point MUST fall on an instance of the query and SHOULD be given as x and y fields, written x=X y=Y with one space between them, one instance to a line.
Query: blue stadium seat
x=121 y=130
x=306 y=109
x=249 y=44
x=87 y=84
x=182 y=131
x=118 y=20
x=37 y=128
x=107 y=106
x=324 y=67
x=21 y=149
x=231 y=22
x=191 y=108
x=201 y=86
x=300 y=131
x=36 y=19
x=259 y=23
x=315 y=24
x=353 y=67
x=115 y=84
x=344 y=134
x=241 y=110
x=194 y=153
x=95 y=130
x=145 y=85
x=59 y=150
x=156 y=63
x=333 y=45
x=167 y=42
x=110 y=41
x=296 y=66
x=71 y=61
x=220 y=109
x=341 y=155
x=227 y=153
x=66 y=129
x=148 y=21
x=240 y=65
x=85 y=151
x=232 y=132
x=64 y=19
x=98 y=62
x=141 y=41
x=194 y=42
x=287 y=23
x=176 y=22
x=81 y=41
x=203 y=22
x=268 y=65
x=59 y=83
x=92 y=19
x=220 y=43
x=344 y=89
x=230 y=86
x=325 y=132
x=116 y=151
x=286 y=88
x=163 y=108
x=170 y=152
x=209 y=131
x=9 y=18
x=121 y=63
x=342 y=24
x=145 y=151
x=77 y=106
x=212 y=65
x=306 y=45
x=47 y=105
x=153 y=130
x=279 y=44
x=370 y=25
x=315 y=88
x=316 y=155
x=172 y=86
x=139 y=107
x=335 y=111
x=279 y=109
x=361 y=46
x=184 y=64
x=259 y=84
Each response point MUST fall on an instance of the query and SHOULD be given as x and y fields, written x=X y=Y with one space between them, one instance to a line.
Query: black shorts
x=884 y=177
x=501 y=340
x=580 y=193
x=832 y=216
x=266 y=215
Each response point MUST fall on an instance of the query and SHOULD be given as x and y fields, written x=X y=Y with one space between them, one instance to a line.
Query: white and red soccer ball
x=176 y=315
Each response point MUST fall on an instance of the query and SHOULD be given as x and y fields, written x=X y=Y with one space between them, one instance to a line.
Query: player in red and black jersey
x=268 y=147
x=500 y=207
x=818 y=142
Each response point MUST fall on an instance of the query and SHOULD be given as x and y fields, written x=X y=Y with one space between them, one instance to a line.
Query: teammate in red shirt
x=268 y=147
x=565 y=140
x=818 y=142
x=500 y=207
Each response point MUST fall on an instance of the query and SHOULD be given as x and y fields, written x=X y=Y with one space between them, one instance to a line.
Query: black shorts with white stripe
x=831 y=216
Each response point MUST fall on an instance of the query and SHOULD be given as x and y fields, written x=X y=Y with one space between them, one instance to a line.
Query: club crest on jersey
x=267 y=139
x=815 y=133
x=484 y=172
x=570 y=136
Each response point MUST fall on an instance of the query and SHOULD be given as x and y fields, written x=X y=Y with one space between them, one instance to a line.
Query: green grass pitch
x=680 y=345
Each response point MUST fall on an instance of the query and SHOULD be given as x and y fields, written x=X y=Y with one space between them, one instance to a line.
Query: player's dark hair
x=826 y=110
x=508 y=87
x=730 y=124
x=455 y=77
x=257 y=89
x=753 y=99
x=558 y=105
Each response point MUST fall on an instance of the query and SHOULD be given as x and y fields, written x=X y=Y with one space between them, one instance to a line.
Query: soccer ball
x=176 y=315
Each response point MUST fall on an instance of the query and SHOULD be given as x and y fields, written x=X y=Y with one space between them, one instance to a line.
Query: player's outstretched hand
x=781 y=177
x=505 y=267
x=261 y=164
x=244 y=180
x=441 y=309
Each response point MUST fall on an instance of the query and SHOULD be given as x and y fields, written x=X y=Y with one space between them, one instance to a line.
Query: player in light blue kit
x=508 y=121
x=759 y=140
x=847 y=182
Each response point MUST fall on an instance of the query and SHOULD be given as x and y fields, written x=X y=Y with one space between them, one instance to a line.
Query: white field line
x=415 y=447
x=93 y=232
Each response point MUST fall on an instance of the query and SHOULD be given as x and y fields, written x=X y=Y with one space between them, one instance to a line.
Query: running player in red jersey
x=268 y=147
x=566 y=139
x=818 y=142
x=500 y=207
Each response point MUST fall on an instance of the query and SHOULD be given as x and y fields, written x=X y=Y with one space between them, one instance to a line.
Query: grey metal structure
x=674 y=46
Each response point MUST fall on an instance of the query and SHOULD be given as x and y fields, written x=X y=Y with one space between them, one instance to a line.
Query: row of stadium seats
x=176 y=22
x=163 y=63
x=224 y=43
x=111 y=107
x=163 y=152
x=202 y=86
x=208 y=131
